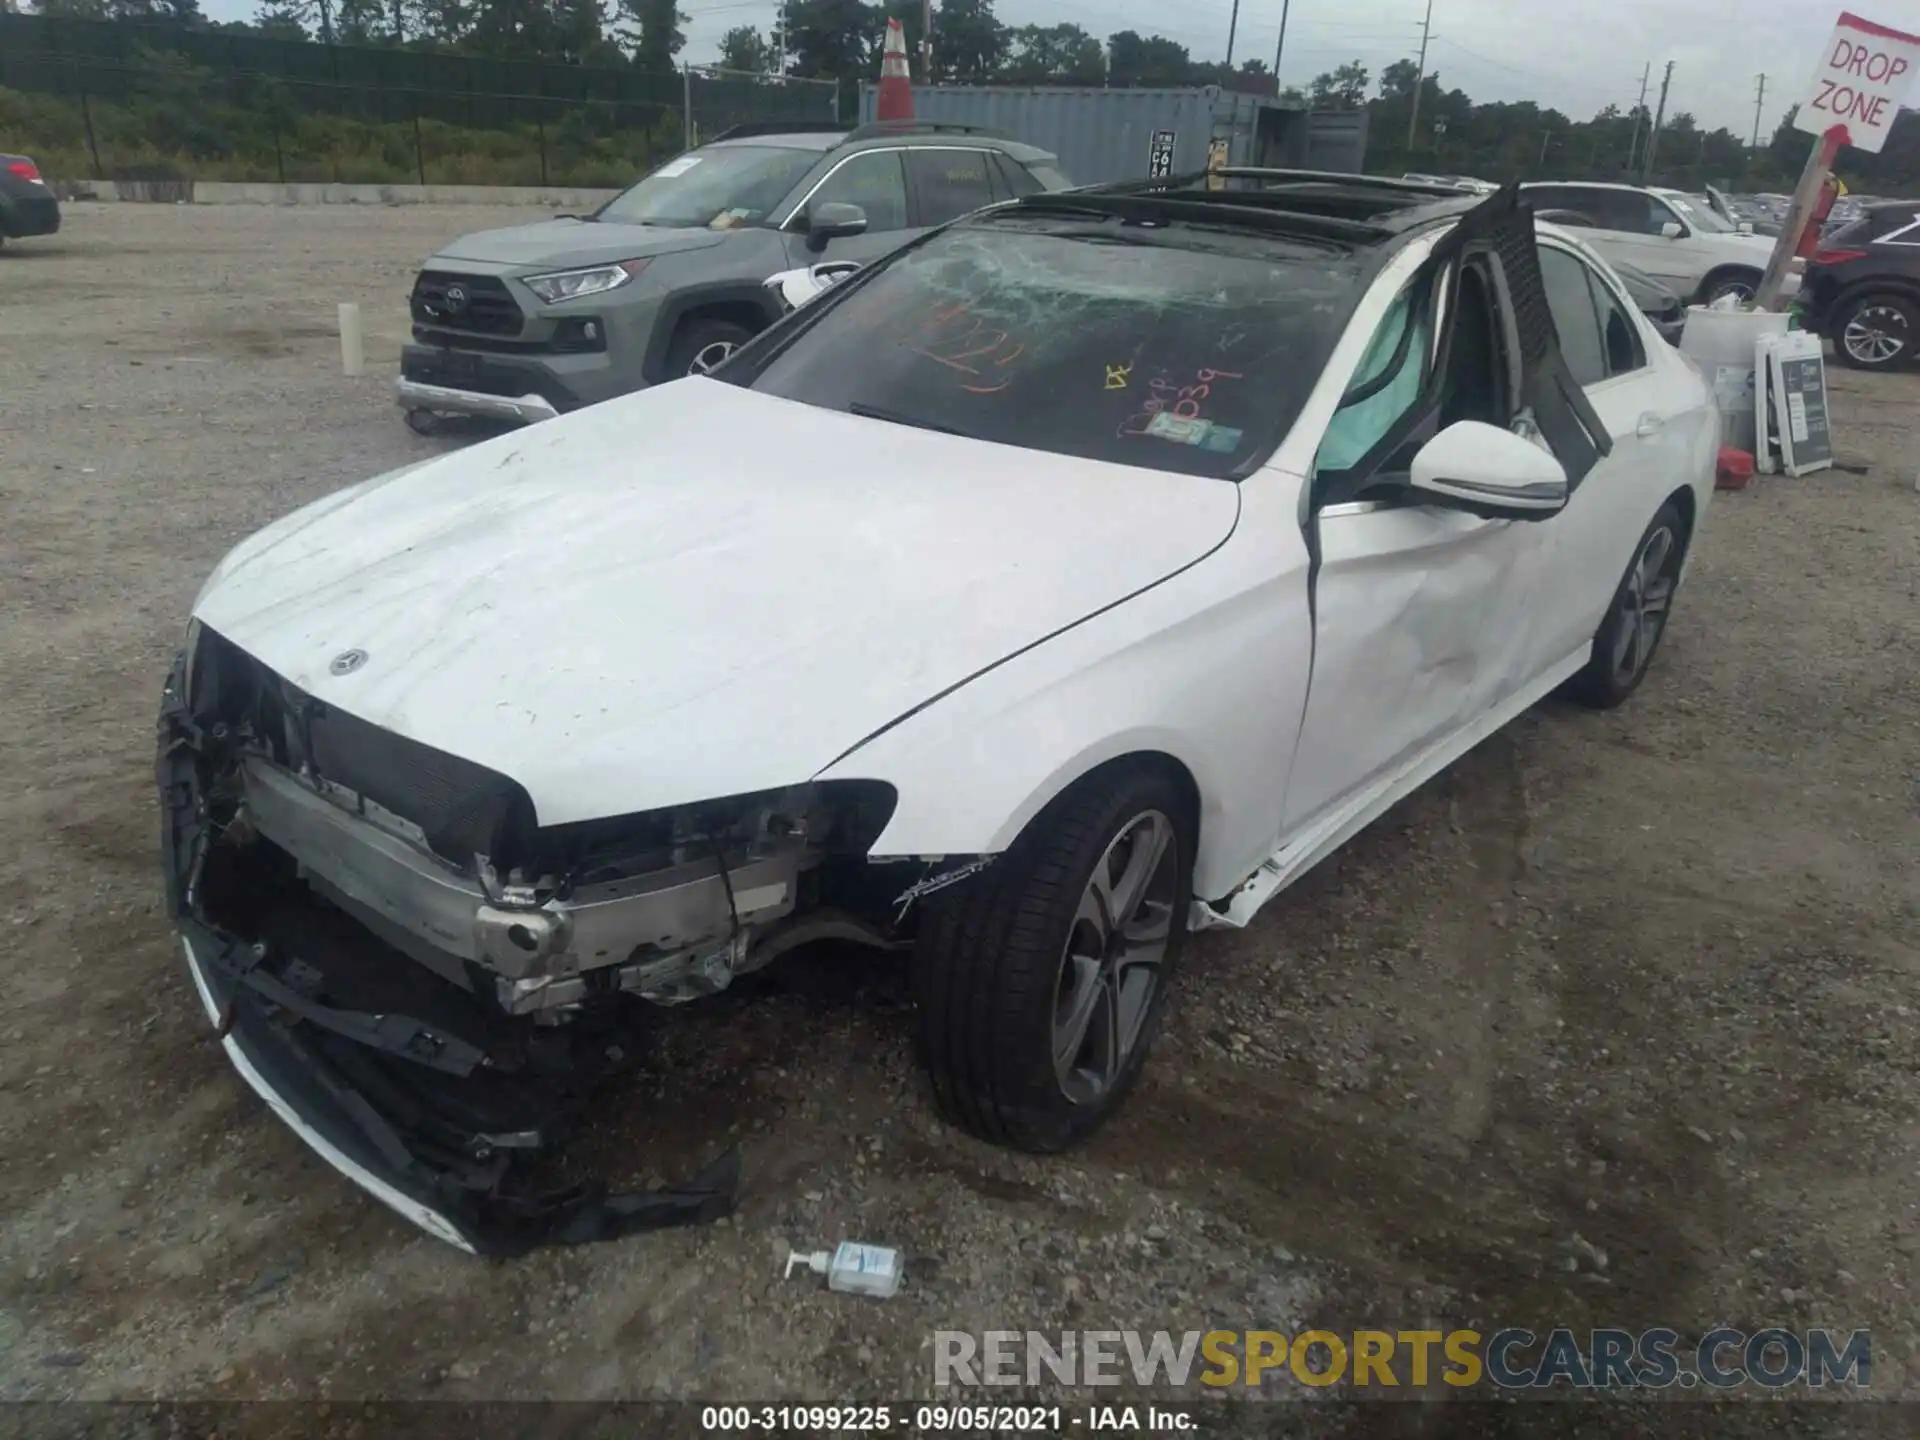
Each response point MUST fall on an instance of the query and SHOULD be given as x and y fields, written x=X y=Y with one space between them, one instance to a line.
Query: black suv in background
x=1862 y=287
x=27 y=205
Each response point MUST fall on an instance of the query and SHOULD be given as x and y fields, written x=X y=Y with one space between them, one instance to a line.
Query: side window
x=874 y=182
x=1387 y=382
x=949 y=183
x=1624 y=210
x=1570 y=300
x=1014 y=177
x=1889 y=227
x=1617 y=330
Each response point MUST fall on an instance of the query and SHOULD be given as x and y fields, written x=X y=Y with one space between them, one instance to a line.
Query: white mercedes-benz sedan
x=1070 y=580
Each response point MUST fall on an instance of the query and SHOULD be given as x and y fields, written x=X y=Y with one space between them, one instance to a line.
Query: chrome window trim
x=901 y=150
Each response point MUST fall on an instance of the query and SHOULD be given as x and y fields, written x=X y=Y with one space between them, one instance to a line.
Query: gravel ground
x=1613 y=1023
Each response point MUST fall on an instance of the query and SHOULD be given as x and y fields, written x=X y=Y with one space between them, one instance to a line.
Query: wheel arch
x=1723 y=271
x=1906 y=287
x=738 y=302
x=1163 y=761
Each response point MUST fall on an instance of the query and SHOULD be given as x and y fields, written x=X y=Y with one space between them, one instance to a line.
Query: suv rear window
x=1156 y=347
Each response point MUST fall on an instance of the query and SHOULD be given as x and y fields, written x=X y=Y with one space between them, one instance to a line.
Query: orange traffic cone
x=896 y=85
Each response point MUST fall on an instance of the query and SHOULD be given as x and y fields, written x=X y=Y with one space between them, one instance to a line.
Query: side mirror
x=1485 y=470
x=1673 y=229
x=833 y=221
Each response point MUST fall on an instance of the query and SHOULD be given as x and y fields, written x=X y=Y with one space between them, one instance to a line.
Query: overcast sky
x=1575 y=55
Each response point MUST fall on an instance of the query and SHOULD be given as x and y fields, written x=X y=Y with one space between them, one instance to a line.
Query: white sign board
x=1794 y=380
x=1864 y=73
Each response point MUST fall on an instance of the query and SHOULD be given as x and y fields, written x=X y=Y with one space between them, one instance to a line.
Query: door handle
x=1650 y=424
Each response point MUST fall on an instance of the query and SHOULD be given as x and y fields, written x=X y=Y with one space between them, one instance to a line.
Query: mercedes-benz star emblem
x=348 y=661
x=456 y=299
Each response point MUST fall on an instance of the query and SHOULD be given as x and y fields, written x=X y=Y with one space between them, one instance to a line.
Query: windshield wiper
x=895 y=417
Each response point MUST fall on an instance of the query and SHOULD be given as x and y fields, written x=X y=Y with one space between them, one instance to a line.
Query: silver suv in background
x=668 y=278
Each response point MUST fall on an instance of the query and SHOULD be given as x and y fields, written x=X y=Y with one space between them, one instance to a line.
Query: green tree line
x=840 y=40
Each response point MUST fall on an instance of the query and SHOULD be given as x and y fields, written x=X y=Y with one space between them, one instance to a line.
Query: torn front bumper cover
x=449 y=1151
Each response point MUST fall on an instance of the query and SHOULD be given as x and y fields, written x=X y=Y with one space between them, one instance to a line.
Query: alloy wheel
x=1111 y=970
x=1739 y=288
x=709 y=356
x=1644 y=602
x=1875 y=335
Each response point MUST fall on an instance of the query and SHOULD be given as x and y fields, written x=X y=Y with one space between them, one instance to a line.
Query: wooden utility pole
x=1633 y=145
x=1419 y=76
x=1806 y=197
x=1280 y=47
x=1659 y=118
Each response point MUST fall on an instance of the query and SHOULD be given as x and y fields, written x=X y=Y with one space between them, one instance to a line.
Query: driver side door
x=1425 y=633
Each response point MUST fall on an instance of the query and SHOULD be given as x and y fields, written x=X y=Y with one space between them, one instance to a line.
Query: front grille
x=479 y=303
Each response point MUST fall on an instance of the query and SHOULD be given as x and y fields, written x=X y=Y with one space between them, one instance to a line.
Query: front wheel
x=1040 y=984
x=1877 y=332
x=1636 y=620
x=703 y=345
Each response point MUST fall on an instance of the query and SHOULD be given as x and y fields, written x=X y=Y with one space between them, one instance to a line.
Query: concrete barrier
x=238 y=192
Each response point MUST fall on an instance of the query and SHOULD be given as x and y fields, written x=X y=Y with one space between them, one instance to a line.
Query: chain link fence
x=132 y=102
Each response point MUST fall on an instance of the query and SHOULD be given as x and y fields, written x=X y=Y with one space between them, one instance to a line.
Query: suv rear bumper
x=24 y=215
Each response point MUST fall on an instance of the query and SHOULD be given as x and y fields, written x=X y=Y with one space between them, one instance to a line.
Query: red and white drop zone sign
x=1865 y=72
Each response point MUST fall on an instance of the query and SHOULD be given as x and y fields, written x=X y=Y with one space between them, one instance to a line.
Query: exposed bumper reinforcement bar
x=521 y=409
x=410 y=1121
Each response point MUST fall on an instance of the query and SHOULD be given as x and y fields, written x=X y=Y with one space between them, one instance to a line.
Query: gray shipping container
x=1102 y=135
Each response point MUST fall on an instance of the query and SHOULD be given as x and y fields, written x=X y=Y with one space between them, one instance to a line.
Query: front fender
x=1209 y=667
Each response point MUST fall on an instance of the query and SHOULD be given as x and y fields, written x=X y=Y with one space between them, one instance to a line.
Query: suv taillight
x=23 y=169
x=1836 y=257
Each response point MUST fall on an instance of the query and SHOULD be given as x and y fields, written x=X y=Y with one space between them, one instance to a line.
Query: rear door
x=946 y=182
x=1423 y=615
x=1652 y=425
x=1627 y=227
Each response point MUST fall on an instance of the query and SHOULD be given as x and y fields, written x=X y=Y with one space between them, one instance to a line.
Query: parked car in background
x=1074 y=576
x=27 y=205
x=1665 y=233
x=667 y=279
x=1662 y=306
x=1466 y=184
x=1862 y=289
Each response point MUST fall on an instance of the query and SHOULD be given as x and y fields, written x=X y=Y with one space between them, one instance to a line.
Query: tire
x=1000 y=965
x=1621 y=655
x=1876 y=331
x=699 y=345
x=1745 y=282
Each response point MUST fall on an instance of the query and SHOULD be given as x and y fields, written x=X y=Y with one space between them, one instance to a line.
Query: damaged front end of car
x=429 y=986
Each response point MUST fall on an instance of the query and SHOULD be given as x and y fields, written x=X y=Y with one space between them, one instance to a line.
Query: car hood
x=553 y=244
x=694 y=591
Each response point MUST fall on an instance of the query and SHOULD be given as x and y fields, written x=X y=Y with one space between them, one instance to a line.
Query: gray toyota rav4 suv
x=668 y=278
